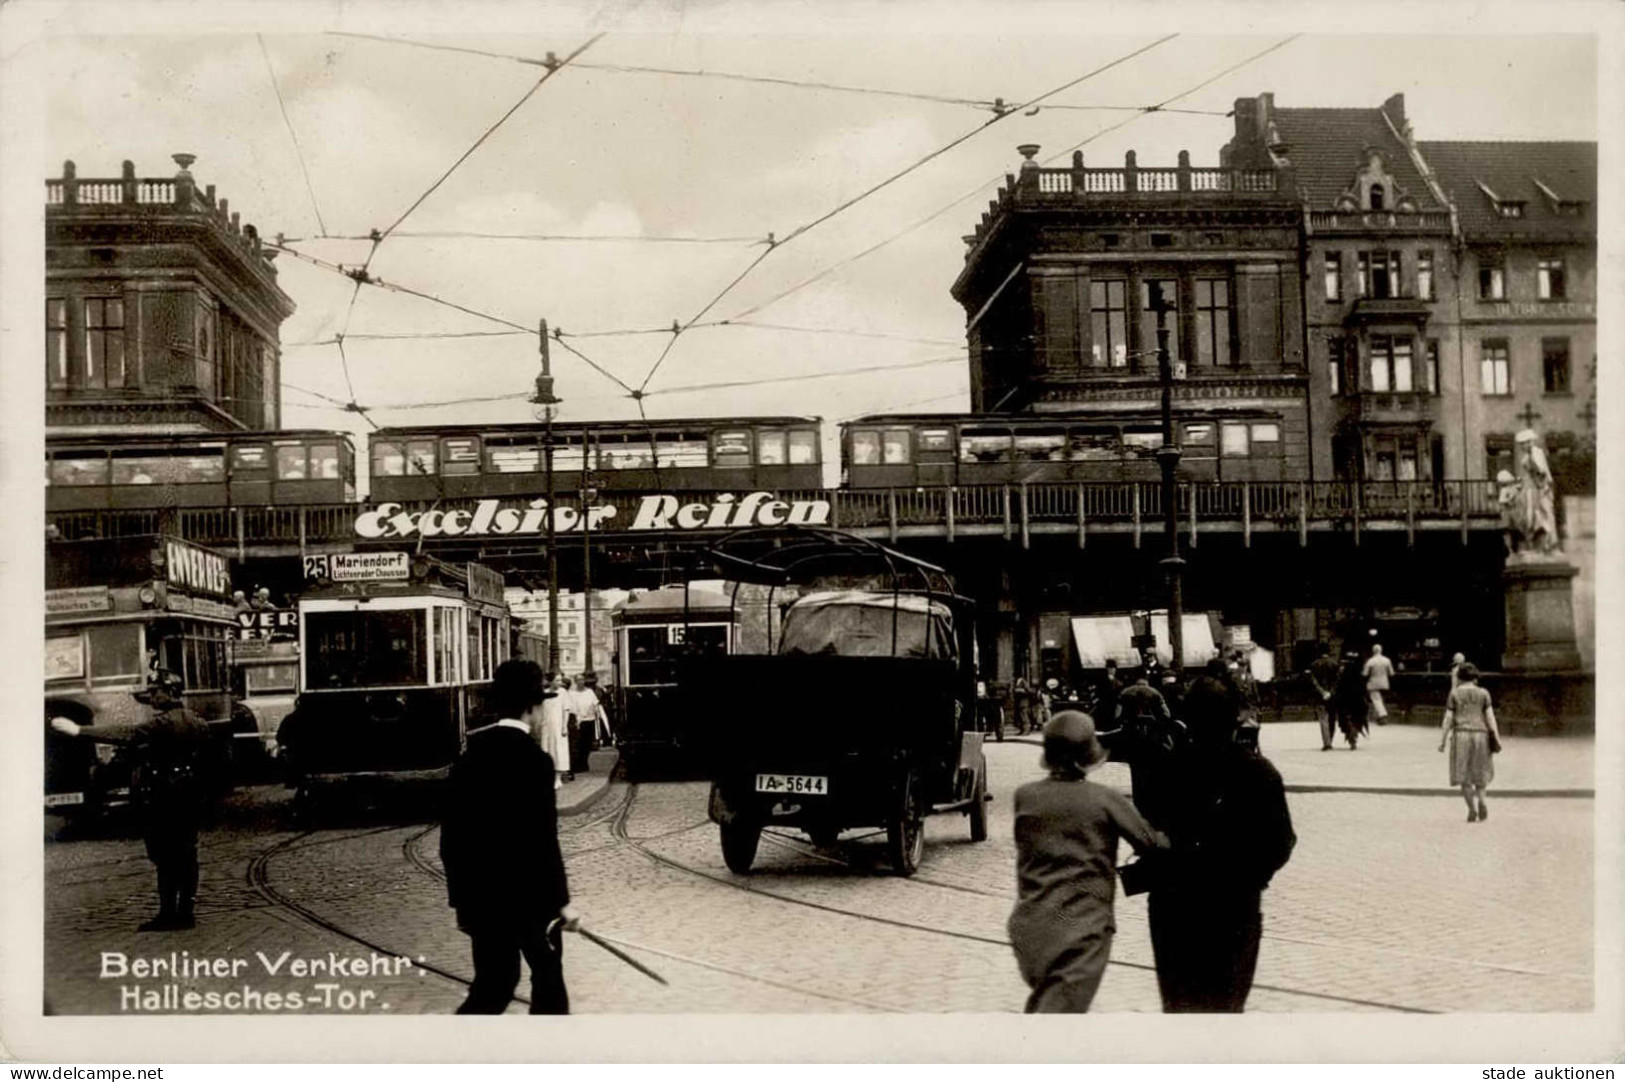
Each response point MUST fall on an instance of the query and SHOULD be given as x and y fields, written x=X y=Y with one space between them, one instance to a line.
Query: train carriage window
x=935 y=444
x=865 y=447
x=1199 y=438
x=569 y=454
x=168 y=469
x=894 y=447
x=803 y=446
x=420 y=458
x=770 y=448
x=115 y=654
x=981 y=445
x=1142 y=440
x=1233 y=443
x=388 y=460
x=290 y=462
x=1266 y=439
x=460 y=455
x=79 y=471
x=324 y=462
x=732 y=448
x=247 y=457
x=681 y=450
x=1041 y=446
x=1093 y=445
x=514 y=455
x=628 y=451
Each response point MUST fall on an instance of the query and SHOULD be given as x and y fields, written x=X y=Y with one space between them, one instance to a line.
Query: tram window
x=733 y=448
x=250 y=456
x=115 y=654
x=460 y=455
x=1041 y=446
x=894 y=447
x=387 y=459
x=1234 y=441
x=420 y=458
x=865 y=447
x=79 y=471
x=380 y=648
x=65 y=657
x=1142 y=441
x=290 y=462
x=1199 y=437
x=513 y=456
x=205 y=659
x=681 y=450
x=803 y=446
x=770 y=447
x=476 y=656
x=324 y=462
x=271 y=679
x=1093 y=445
x=983 y=446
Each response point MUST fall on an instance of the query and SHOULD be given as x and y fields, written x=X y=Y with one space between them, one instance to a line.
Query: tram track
x=927 y=882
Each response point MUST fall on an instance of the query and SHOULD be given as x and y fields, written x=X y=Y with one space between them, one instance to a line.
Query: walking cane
x=622 y=955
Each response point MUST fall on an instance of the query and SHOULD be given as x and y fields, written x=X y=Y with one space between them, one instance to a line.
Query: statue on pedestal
x=1528 y=503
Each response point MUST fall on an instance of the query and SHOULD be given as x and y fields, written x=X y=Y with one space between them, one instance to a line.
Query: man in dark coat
x=1350 y=702
x=1145 y=734
x=1323 y=674
x=171 y=786
x=499 y=844
x=1231 y=831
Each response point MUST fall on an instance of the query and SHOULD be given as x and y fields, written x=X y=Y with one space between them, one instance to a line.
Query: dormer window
x=1563 y=208
x=1377 y=197
x=1509 y=208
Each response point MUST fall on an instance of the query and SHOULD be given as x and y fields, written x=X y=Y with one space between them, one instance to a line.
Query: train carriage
x=909 y=450
x=448 y=462
x=198 y=469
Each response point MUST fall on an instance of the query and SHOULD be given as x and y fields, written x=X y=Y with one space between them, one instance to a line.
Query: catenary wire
x=287 y=123
x=453 y=234
x=552 y=69
x=933 y=216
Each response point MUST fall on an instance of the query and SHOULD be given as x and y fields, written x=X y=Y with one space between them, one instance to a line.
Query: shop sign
x=268 y=625
x=652 y=512
x=196 y=570
x=486 y=585
x=79 y=599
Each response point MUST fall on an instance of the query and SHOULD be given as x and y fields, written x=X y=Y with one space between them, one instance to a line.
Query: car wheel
x=905 y=834
x=978 y=808
x=739 y=839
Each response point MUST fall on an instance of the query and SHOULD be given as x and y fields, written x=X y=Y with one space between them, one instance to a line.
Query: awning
x=1199 y=645
x=1101 y=637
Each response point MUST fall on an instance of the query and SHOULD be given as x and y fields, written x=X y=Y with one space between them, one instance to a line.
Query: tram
x=654 y=633
x=905 y=450
x=396 y=654
x=453 y=461
x=116 y=612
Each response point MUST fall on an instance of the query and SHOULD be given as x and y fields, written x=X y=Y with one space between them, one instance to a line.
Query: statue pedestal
x=1539 y=596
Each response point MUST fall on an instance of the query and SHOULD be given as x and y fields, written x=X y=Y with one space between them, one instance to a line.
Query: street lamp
x=588 y=496
x=1168 y=459
x=543 y=404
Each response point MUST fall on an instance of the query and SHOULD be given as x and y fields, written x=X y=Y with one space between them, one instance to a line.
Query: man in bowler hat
x=499 y=844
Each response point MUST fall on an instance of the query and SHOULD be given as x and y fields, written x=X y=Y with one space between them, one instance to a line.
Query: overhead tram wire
x=846 y=205
x=934 y=215
x=299 y=152
x=452 y=234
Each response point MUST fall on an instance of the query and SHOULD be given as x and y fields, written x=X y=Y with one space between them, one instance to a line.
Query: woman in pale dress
x=1471 y=734
x=552 y=731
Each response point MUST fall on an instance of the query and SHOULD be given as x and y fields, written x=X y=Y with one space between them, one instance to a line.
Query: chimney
x=1395 y=108
x=1266 y=110
x=1246 y=121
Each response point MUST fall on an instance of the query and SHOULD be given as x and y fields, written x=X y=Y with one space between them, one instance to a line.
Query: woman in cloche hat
x=1067 y=829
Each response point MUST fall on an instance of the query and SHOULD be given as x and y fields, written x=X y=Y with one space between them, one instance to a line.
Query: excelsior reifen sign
x=651 y=512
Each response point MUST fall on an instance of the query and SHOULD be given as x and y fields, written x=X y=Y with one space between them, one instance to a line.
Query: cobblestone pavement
x=1391 y=902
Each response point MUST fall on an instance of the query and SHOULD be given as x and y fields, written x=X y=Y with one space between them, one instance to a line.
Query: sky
x=720 y=163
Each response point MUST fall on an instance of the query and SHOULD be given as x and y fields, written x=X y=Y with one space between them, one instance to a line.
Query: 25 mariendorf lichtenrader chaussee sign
x=660 y=511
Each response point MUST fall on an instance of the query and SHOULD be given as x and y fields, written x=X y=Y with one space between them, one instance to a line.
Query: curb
x=1400 y=790
x=593 y=795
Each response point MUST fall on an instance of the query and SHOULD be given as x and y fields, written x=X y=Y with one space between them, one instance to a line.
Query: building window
x=104 y=342
x=1424 y=275
x=1495 y=367
x=1491 y=279
x=1335 y=347
x=1430 y=368
x=1362 y=274
x=1376 y=197
x=1498 y=454
x=1109 y=312
x=1334 y=276
x=1554 y=354
x=1213 y=321
x=1553 y=281
x=56 y=342
x=1508 y=208
x=1148 y=319
x=1391 y=364
x=1379 y=274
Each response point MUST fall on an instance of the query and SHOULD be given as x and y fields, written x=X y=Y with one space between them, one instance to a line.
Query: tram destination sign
x=658 y=511
x=360 y=566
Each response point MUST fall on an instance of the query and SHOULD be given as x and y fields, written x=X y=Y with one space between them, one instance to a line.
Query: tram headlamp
x=148 y=595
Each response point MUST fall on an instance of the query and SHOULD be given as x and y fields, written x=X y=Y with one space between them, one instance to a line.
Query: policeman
x=172 y=757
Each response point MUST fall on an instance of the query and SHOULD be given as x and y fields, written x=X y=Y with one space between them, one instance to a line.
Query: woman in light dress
x=1471 y=734
x=551 y=735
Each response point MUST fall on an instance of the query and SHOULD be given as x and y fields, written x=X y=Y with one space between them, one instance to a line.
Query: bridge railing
x=1085 y=505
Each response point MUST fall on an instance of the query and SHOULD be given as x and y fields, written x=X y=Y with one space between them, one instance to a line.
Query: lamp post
x=588 y=496
x=1168 y=459
x=543 y=404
